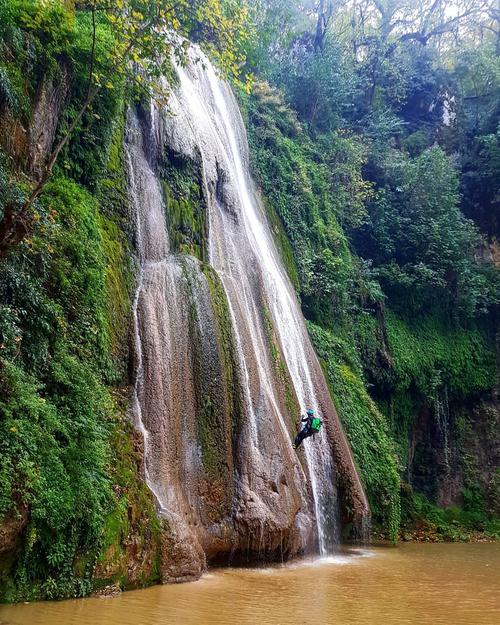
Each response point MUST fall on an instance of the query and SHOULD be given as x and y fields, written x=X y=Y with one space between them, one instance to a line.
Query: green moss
x=112 y=186
x=118 y=282
x=291 y=404
x=425 y=359
x=186 y=223
x=429 y=353
x=227 y=354
x=283 y=244
x=133 y=514
x=213 y=453
x=217 y=389
x=210 y=398
x=112 y=193
x=186 y=213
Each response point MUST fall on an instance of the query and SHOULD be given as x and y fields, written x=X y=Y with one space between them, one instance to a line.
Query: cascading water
x=164 y=385
x=199 y=92
x=270 y=494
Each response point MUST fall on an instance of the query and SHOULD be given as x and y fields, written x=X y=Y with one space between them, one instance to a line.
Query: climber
x=312 y=425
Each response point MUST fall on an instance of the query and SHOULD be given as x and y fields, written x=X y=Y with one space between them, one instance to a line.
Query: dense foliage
x=54 y=406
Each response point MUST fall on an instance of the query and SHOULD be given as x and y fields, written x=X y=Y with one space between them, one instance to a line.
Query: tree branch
x=92 y=54
x=14 y=226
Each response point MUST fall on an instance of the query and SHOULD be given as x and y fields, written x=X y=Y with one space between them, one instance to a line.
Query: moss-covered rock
x=291 y=402
x=186 y=212
x=130 y=546
x=365 y=427
x=227 y=354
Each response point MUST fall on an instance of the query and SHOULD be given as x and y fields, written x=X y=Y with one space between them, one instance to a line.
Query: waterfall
x=158 y=322
x=442 y=415
x=273 y=492
x=212 y=109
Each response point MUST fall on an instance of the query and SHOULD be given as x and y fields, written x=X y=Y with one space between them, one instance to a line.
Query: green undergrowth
x=427 y=366
x=66 y=453
x=132 y=514
x=12 y=91
x=31 y=49
x=423 y=520
x=54 y=404
x=428 y=352
x=365 y=427
x=428 y=362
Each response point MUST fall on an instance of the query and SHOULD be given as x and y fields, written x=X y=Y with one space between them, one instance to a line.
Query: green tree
x=143 y=35
x=421 y=244
x=476 y=82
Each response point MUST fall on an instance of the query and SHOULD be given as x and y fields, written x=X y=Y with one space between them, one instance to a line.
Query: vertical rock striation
x=223 y=361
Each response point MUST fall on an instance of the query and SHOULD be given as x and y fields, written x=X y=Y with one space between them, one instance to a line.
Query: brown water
x=427 y=584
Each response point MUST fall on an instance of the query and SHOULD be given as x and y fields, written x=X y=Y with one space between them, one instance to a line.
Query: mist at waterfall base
x=264 y=500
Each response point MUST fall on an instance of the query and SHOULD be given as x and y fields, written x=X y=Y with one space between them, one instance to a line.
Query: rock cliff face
x=454 y=447
x=29 y=145
x=11 y=529
x=223 y=362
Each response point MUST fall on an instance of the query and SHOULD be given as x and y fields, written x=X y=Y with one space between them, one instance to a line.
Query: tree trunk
x=325 y=11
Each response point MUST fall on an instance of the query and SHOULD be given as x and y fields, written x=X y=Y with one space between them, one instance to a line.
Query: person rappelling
x=312 y=425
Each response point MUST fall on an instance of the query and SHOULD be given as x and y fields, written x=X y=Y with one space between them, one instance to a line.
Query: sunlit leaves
x=145 y=35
